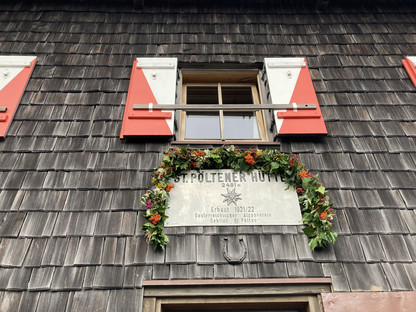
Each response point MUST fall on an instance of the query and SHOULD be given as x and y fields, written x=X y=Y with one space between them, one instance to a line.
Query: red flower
x=322 y=199
x=299 y=190
x=169 y=187
x=195 y=164
x=291 y=163
x=155 y=218
x=323 y=215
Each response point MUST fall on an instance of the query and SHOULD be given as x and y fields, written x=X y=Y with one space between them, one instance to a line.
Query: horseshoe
x=240 y=257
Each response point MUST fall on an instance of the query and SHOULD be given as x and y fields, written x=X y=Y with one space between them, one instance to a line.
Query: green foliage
x=317 y=211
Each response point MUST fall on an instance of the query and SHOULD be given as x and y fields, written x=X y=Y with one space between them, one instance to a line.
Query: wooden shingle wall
x=69 y=187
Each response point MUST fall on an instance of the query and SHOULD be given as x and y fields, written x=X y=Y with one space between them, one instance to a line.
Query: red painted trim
x=151 y=115
x=296 y=115
x=303 y=121
x=11 y=94
x=411 y=69
x=142 y=123
x=224 y=282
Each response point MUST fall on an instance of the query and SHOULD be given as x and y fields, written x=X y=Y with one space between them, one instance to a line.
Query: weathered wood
x=219 y=291
x=149 y=304
x=310 y=302
x=245 y=281
x=322 y=5
x=138 y=4
x=223 y=107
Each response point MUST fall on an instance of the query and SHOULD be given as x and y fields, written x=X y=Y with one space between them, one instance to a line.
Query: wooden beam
x=223 y=107
x=222 y=282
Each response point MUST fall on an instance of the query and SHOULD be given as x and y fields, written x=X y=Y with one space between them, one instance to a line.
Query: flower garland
x=317 y=210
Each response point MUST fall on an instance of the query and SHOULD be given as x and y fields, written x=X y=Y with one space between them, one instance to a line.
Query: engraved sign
x=225 y=198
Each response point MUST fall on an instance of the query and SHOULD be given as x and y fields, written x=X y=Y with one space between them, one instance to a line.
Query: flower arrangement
x=317 y=210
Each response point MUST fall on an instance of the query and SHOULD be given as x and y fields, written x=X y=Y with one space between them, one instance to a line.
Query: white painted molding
x=412 y=59
x=10 y=61
x=285 y=62
x=156 y=63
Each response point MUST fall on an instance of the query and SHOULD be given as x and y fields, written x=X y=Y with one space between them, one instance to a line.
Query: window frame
x=300 y=293
x=222 y=77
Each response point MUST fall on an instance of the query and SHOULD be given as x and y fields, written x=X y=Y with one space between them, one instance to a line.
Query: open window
x=221 y=105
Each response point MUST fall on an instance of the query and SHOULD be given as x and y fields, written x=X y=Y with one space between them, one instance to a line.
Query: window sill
x=228 y=142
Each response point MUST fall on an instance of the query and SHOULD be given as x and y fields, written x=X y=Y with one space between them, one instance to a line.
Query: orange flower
x=155 y=218
x=169 y=187
x=299 y=190
x=323 y=215
x=249 y=159
x=195 y=164
x=303 y=174
x=198 y=153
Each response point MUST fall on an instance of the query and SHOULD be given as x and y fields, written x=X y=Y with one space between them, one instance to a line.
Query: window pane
x=237 y=95
x=241 y=125
x=202 y=95
x=202 y=126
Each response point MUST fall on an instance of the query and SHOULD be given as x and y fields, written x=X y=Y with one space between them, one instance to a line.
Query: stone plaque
x=226 y=198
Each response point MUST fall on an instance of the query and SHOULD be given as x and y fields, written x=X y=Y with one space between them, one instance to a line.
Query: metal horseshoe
x=237 y=259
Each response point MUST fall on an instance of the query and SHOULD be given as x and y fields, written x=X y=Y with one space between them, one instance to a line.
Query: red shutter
x=410 y=65
x=152 y=81
x=15 y=72
x=290 y=83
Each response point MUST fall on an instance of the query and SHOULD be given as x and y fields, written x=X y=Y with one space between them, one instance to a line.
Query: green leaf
x=243 y=166
x=321 y=190
x=305 y=183
x=309 y=231
x=313 y=243
x=274 y=166
x=270 y=162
